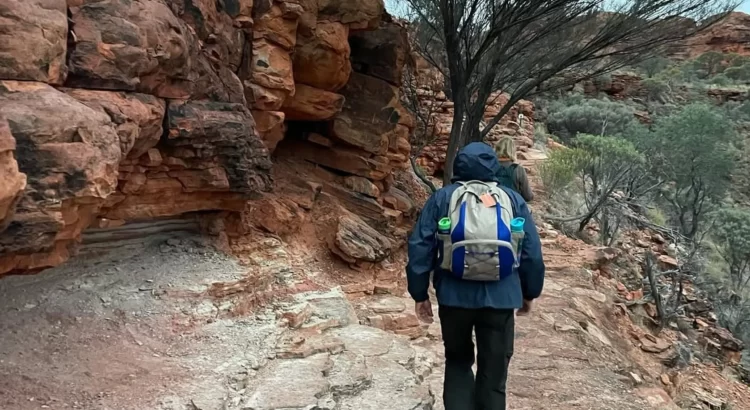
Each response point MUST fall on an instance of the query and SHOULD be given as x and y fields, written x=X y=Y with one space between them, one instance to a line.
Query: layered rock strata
x=114 y=111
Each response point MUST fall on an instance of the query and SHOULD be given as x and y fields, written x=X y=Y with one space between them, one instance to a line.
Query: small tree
x=484 y=46
x=657 y=89
x=654 y=65
x=693 y=149
x=738 y=73
x=605 y=168
x=602 y=165
x=732 y=237
x=561 y=168
x=710 y=63
x=419 y=95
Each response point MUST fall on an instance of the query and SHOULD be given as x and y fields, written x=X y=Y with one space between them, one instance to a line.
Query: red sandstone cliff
x=125 y=110
x=730 y=35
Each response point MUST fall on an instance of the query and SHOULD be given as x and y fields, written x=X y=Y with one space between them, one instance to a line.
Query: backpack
x=480 y=245
x=507 y=176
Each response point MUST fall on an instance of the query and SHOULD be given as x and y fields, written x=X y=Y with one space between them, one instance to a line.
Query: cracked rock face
x=33 y=41
x=352 y=367
x=13 y=182
x=123 y=111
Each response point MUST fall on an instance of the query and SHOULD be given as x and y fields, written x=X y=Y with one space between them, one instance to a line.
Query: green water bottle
x=444 y=226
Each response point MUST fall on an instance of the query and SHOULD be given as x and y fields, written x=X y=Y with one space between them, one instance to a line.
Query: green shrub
x=738 y=112
x=656 y=216
x=571 y=116
x=656 y=89
x=540 y=134
x=653 y=66
x=693 y=150
x=738 y=73
x=732 y=237
x=709 y=64
x=560 y=169
x=721 y=80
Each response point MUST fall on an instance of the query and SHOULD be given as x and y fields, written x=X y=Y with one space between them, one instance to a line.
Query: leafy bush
x=721 y=80
x=736 y=111
x=656 y=89
x=736 y=60
x=709 y=64
x=738 y=73
x=560 y=169
x=656 y=216
x=653 y=66
x=732 y=238
x=601 y=165
x=576 y=115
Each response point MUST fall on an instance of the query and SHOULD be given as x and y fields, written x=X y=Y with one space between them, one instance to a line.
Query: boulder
x=267 y=76
x=362 y=185
x=271 y=127
x=70 y=155
x=33 y=41
x=308 y=21
x=222 y=41
x=278 y=24
x=652 y=344
x=350 y=161
x=355 y=240
x=262 y=98
x=399 y=200
x=210 y=159
x=357 y=14
x=725 y=338
x=371 y=112
x=322 y=59
x=13 y=181
x=137 y=118
x=312 y=104
x=668 y=262
x=361 y=205
x=277 y=216
x=142 y=46
x=224 y=131
x=241 y=11
x=381 y=53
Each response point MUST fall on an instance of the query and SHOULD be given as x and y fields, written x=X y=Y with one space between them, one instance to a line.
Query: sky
x=745 y=6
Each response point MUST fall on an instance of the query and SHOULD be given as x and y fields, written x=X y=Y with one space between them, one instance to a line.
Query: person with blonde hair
x=510 y=174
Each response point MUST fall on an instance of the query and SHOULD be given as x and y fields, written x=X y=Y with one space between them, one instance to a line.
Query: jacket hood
x=476 y=161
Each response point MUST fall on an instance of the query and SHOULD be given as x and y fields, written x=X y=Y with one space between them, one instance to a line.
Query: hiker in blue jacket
x=486 y=307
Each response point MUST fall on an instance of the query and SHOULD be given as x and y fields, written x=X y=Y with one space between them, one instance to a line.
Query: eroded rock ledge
x=121 y=111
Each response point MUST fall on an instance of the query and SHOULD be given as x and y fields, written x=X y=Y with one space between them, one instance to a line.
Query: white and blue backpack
x=481 y=245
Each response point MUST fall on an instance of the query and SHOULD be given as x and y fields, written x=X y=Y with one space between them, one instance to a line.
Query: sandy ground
x=136 y=329
x=176 y=325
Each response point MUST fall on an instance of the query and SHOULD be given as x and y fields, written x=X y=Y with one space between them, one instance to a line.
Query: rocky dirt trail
x=177 y=325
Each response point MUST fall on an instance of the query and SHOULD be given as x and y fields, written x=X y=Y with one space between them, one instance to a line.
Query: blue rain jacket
x=476 y=161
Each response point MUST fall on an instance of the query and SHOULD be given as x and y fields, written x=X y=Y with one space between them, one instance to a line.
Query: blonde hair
x=506 y=149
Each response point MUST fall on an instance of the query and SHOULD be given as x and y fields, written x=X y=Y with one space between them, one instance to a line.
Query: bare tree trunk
x=421 y=175
x=453 y=144
x=649 y=266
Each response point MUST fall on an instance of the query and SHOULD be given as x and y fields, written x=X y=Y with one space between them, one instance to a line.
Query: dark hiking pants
x=494 y=334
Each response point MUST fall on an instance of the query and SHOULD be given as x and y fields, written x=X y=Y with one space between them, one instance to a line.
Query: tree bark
x=421 y=175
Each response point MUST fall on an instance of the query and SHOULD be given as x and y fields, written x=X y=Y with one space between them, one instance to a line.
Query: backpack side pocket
x=516 y=240
x=445 y=250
